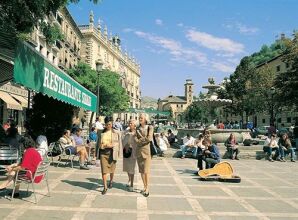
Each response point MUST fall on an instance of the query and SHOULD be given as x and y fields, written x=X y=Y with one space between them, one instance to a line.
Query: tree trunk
x=91 y=119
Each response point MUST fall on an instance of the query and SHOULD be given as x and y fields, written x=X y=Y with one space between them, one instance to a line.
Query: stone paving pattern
x=267 y=191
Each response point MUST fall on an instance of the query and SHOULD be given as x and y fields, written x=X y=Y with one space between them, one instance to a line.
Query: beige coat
x=143 y=138
x=116 y=142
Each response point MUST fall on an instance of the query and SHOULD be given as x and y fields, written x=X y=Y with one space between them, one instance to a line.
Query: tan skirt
x=129 y=165
x=144 y=164
x=108 y=165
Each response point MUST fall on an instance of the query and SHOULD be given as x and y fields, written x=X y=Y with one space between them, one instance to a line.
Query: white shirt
x=188 y=142
x=98 y=125
x=42 y=145
x=267 y=143
x=162 y=144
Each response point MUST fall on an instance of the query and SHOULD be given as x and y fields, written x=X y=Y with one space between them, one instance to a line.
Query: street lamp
x=98 y=70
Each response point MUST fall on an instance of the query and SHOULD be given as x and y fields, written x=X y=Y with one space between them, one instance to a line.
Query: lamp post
x=98 y=70
x=272 y=92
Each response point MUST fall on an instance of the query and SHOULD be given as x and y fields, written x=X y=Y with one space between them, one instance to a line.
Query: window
x=278 y=68
x=263 y=120
x=181 y=106
x=279 y=120
x=289 y=120
x=177 y=106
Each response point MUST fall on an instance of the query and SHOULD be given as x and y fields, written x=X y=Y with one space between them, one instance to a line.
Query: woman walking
x=129 y=153
x=109 y=145
x=144 y=136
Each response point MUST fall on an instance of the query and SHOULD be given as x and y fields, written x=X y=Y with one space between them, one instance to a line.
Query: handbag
x=127 y=152
x=153 y=149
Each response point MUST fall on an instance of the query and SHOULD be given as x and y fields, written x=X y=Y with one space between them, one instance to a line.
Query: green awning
x=36 y=73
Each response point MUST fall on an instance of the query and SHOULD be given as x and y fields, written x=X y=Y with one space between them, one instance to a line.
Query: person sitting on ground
x=271 y=145
x=285 y=147
x=232 y=147
x=162 y=143
x=188 y=143
x=200 y=149
x=71 y=145
x=171 y=137
x=211 y=154
x=27 y=168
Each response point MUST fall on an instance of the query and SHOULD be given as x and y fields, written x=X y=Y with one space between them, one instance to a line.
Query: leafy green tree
x=112 y=96
x=286 y=83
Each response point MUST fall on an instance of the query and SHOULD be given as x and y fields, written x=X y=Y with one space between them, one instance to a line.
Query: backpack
x=56 y=151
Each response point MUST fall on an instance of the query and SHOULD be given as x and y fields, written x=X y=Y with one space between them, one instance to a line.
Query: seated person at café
x=232 y=147
x=42 y=145
x=285 y=147
x=30 y=162
x=69 y=145
x=93 y=135
x=188 y=143
x=211 y=154
x=271 y=145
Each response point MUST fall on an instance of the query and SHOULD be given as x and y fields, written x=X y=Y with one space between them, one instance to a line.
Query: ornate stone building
x=65 y=53
x=178 y=104
x=98 y=48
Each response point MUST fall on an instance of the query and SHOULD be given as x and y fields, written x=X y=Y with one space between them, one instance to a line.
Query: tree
x=112 y=96
x=286 y=83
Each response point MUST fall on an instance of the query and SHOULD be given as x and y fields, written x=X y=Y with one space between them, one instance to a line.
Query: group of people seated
x=201 y=148
x=280 y=147
x=74 y=144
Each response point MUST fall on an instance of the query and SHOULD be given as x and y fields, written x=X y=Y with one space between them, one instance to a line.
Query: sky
x=175 y=40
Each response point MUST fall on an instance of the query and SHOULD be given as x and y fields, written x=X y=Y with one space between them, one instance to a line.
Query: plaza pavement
x=267 y=191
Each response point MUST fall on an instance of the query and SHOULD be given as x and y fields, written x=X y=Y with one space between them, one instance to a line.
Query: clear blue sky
x=175 y=40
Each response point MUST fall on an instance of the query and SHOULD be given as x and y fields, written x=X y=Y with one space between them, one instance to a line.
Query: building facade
x=178 y=104
x=98 y=48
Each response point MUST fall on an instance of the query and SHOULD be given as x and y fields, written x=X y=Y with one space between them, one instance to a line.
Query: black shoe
x=110 y=185
x=236 y=158
x=104 y=191
x=16 y=195
x=146 y=194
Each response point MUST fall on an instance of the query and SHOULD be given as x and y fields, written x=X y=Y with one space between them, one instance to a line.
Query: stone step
x=245 y=152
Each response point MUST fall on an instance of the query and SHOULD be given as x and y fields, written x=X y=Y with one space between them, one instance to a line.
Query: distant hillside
x=149 y=102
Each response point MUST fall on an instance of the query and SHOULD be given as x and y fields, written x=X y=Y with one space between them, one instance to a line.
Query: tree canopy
x=112 y=96
x=286 y=83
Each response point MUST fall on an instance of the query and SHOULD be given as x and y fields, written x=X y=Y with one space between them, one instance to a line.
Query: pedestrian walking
x=144 y=136
x=109 y=144
x=129 y=153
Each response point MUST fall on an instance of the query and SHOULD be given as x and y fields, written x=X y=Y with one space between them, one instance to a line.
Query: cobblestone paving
x=267 y=191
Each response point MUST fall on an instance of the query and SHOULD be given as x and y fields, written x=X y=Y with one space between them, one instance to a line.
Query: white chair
x=42 y=170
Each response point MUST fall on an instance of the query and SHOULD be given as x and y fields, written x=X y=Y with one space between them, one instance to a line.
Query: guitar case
x=222 y=172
